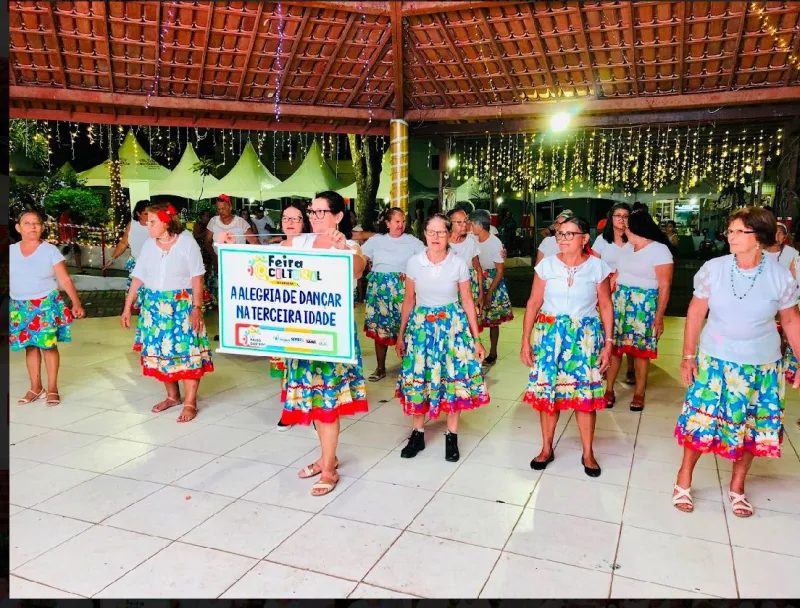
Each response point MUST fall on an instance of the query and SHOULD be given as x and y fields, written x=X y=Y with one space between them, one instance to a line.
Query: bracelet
x=609 y=339
x=688 y=357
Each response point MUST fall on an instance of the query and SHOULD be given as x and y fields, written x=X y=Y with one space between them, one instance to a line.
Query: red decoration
x=224 y=198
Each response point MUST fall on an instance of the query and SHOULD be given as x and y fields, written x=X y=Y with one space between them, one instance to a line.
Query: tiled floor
x=110 y=500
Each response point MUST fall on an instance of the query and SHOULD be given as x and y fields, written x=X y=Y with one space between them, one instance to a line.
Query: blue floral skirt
x=474 y=288
x=321 y=391
x=565 y=373
x=440 y=372
x=634 y=322
x=733 y=408
x=171 y=349
x=384 y=302
x=499 y=309
x=42 y=322
x=277 y=367
x=790 y=364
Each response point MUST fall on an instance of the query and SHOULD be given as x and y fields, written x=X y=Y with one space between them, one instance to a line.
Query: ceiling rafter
x=108 y=48
x=453 y=49
x=56 y=44
x=207 y=40
x=500 y=55
x=795 y=50
x=299 y=36
x=396 y=20
x=587 y=53
x=538 y=46
x=249 y=52
x=333 y=57
x=737 y=49
x=431 y=74
x=377 y=56
x=681 y=44
x=628 y=12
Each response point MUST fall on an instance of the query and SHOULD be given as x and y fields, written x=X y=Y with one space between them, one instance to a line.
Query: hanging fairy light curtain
x=639 y=159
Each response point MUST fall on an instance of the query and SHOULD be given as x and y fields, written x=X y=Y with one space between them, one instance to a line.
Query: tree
x=205 y=167
x=120 y=210
x=32 y=138
x=367 y=169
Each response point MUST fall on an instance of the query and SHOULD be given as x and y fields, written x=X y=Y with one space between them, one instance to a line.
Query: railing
x=76 y=234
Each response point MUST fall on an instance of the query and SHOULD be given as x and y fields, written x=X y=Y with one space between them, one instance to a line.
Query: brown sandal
x=610 y=398
x=184 y=417
x=162 y=406
x=637 y=403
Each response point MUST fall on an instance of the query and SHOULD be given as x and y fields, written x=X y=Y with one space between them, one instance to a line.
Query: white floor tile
x=22 y=589
x=20 y=432
x=468 y=567
x=32 y=533
x=771 y=493
x=56 y=417
x=17 y=465
x=104 y=455
x=435 y=440
x=455 y=518
x=247 y=528
x=379 y=503
x=214 y=439
x=666 y=450
x=98 y=498
x=371 y=592
x=676 y=561
x=169 y=513
x=87 y=563
x=616 y=470
x=42 y=482
x=160 y=430
x=182 y=571
x=374 y=435
x=510 y=486
x=51 y=445
x=617 y=420
x=605 y=442
x=279 y=581
x=758 y=571
x=498 y=452
x=336 y=547
x=163 y=465
x=427 y=470
x=628 y=588
x=657 y=426
x=354 y=460
x=516 y=576
x=660 y=477
x=286 y=489
x=602 y=502
x=567 y=539
x=277 y=448
x=766 y=530
x=107 y=423
x=251 y=419
x=228 y=476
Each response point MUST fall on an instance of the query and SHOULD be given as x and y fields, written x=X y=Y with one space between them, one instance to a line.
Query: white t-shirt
x=493 y=230
x=171 y=270
x=238 y=226
x=638 y=268
x=490 y=252
x=785 y=256
x=391 y=254
x=33 y=277
x=137 y=237
x=466 y=250
x=306 y=241
x=577 y=301
x=610 y=252
x=436 y=285
x=743 y=330
x=549 y=246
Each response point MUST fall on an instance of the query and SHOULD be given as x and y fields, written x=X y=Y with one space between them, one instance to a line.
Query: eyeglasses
x=738 y=232
x=567 y=236
x=620 y=216
x=291 y=219
x=459 y=222
x=319 y=213
x=439 y=233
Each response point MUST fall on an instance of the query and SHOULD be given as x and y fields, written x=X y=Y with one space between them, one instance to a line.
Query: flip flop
x=26 y=400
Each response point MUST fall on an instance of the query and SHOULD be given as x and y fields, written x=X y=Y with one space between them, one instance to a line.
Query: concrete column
x=398 y=134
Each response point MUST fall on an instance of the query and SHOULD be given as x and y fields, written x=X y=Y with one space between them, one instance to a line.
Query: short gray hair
x=482 y=217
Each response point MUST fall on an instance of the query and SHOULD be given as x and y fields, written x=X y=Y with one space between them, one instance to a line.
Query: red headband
x=166 y=216
x=224 y=198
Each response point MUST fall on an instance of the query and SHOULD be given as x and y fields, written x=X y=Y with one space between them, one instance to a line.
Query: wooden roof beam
x=451 y=45
x=368 y=8
x=249 y=52
x=205 y=49
x=370 y=66
x=333 y=56
x=108 y=49
x=55 y=44
x=396 y=19
x=737 y=47
x=490 y=32
x=538 y=46
x=628 y=12
x=596 y=85
x=681 y=40
x=410 y=9
x=795 y=50
x=433 y=77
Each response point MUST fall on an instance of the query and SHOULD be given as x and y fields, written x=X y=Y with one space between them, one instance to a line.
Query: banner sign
x=280 y=302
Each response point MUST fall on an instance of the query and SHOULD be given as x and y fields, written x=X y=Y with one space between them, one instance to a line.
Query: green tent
x=312 y=176
x=183 y=181
x=248 y=179
x=416 y=190
x=135 y=165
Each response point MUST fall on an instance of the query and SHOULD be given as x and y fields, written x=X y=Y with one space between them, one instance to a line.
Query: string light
x=278 y=59
x=162 y=47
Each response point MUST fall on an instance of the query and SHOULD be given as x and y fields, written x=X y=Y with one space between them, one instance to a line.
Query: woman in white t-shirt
x=549 y=246
x=644 y=279
x=170 y=333
x=321 y=392
x=571 y=341
x=438 y=341
x=783 y=253
x=38 y=317
x=226 y=221
x=465 y=246
x=734 y=406
x=389 y=254
x=135 y=236
x=496 y=305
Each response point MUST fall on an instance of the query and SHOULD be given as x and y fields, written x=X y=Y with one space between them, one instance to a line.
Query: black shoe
x=451 y=453
x=490 y=360
x=416 y=443
x=216 y=338
x=537 y=465
x=590 y=472
x=282 y=426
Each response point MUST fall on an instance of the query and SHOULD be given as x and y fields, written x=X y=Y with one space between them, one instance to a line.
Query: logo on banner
x=281 y=270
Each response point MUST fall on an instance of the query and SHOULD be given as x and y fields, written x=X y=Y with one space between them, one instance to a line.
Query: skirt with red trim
x=566 y=373
x=320 y=391
x=440 y=372
x=42 y=322
x=790 y=364
x=499 y=309
x=733 y=408
x=171 y=349
x=384 y=301
x=277 y=367
x=634 y=322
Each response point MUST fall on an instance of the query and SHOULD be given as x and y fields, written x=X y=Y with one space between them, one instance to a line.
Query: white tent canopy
x=248 y=179
x=185 y=182
x=311 y=177
x=135 y=166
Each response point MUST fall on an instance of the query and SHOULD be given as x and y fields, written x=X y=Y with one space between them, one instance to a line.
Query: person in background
x=68 y=234
x=496 y=306
x=38 y=317
x=249 y=219
x=671 y=230
x=734 y=405
x=508 y=230
x=389 y=254
x=418 y=225
x=644 y=279
x=782 y=252
x=320 y=392
x=465 y=245
x=135 y=236
x=549 y=246
x=170 y=333
x=264 y=225
x=438 y=342
x=571 y=342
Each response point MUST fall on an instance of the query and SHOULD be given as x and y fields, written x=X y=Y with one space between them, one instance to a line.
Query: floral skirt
x=385 y=292
x=277 y=367
x=732 y=408
x=321 y=391
x=634 y=322
x=474 y=287
x=790 y=364
x=171 y=349
x=499 y=309
x=565 y=373
x=440 y=372
x=42 y=322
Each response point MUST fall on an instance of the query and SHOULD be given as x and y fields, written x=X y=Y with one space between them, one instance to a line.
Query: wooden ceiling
x=352 y=66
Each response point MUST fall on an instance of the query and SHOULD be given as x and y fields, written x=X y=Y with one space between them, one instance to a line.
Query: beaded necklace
x=735 y=268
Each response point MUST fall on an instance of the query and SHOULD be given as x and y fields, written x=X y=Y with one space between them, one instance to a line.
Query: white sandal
x=739 y=501
x=682 y=498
